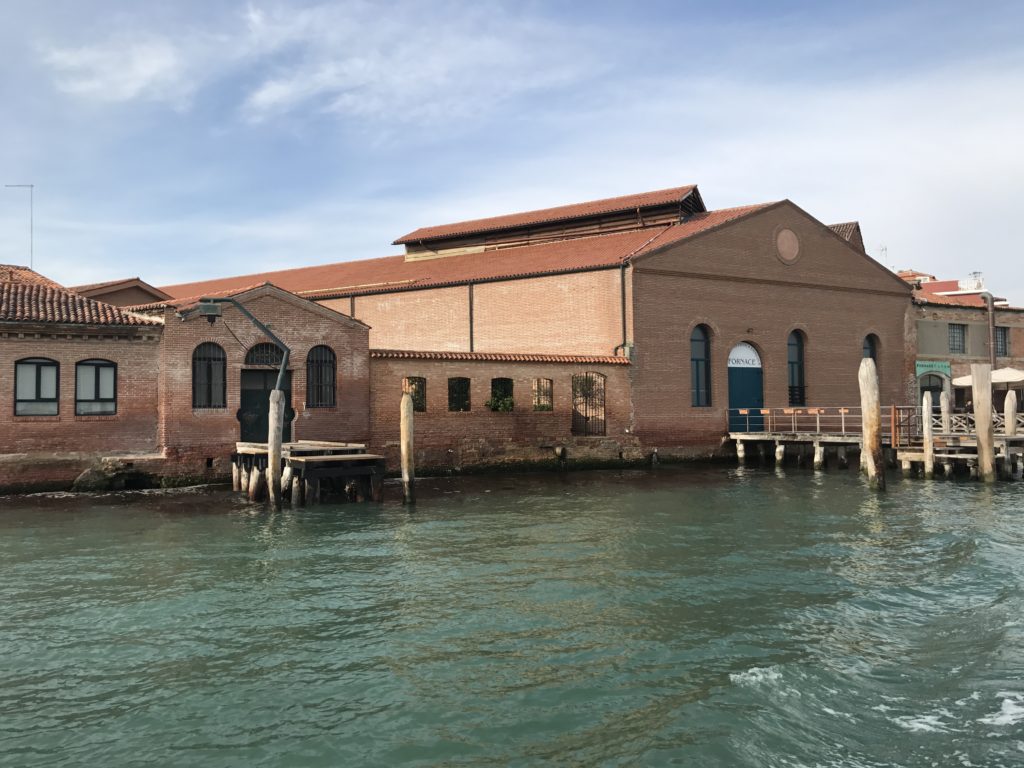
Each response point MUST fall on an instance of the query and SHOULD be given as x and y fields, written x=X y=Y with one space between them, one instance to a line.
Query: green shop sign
x=933 y=366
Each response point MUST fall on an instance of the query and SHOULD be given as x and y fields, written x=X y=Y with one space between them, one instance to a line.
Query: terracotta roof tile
x=503 y=357
x=548 y=215
x=393 y=273
x=36 y=303
x=845 y=230
x=11 y=273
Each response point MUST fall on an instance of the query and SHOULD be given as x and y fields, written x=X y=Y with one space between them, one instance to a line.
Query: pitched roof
x=846 y=229
x=11 y=273
x=393 y=273
x=137 y=282
x=502 y=357
x=548 y=215
x=39 y=303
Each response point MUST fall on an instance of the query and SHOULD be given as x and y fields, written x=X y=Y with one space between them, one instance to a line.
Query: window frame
x=796 y=370
x=96 y=364
x=543 y=395
x=209 y=362
x=38 y=363
x=416 y=386
x=961 y=333
x=502 y=393
x=451 y=393
x=314 y=384
x=869 y=347
x=1002 y=341
x=700 y=368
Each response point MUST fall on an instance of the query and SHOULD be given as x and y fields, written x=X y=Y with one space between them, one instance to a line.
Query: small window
x=1002 y=341
x=957 y=338
x=588 y=414
x=36 y=387
x=797 y=389
x=458 y=394
x=209 y=376
x=700 y=367
x=95 y=388
x=265 y=354
x=501 y=396
x=871 y=347
x=543 y=395
x=416 y=386
x=321 y=373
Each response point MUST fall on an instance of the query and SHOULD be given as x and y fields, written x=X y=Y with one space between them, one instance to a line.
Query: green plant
x=501 y=404
x=543 y=407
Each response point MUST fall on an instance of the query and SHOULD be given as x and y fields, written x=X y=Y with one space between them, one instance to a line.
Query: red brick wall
x=451 y=440
x=753 y=296
x=191 y=435
x=436 y=319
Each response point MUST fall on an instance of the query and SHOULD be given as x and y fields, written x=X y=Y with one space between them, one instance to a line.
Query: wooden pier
x=312 y=471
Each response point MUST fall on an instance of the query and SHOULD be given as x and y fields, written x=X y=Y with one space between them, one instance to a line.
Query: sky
x=191 y=139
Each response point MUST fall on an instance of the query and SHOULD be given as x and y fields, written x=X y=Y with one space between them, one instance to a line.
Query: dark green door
x=746 y=389
x=254 y=415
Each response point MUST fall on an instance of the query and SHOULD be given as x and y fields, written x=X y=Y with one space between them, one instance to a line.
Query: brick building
x=597 y=331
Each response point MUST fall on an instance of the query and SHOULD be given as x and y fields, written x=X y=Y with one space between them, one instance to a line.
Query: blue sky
x=177 y=141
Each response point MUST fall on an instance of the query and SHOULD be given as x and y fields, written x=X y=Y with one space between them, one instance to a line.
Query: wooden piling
x=254 y=481
x=841 y=461
x=1010 y=414
x=297 y=483
x=947 y=412
x=929 y=441
x=377 y=487
x=236 y=477
x=741 y=452
x=981 y=392
x=286 y=482
x=408 y=461
x=275 y=429
x=871 y=424
x=819 y=456
x=243 y=485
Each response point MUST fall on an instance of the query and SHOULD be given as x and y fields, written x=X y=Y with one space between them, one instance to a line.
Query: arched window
x=588 y=417
x=416 y=386
x=543 y=395
x=871 y=347
x=321 y=373
x=930 y=382
x=700 y=367
x=797 y=389
x=36 y=387
x=209 y=376
x=264 y=354
x=95 y=388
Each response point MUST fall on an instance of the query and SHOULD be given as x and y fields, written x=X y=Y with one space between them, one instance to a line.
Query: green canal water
x=692 y=616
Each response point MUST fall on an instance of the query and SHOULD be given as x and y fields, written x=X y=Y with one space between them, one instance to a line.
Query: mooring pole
x=871 y=424
x=929 y=442
x=1010 y=413
x=275 y=430
x=408 y=462
x=947 y=413
x=981 y=391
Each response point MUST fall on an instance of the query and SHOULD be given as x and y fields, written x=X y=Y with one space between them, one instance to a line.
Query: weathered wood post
x=871 y=424
x=286 y=481
x=236 y=473
x=947 y=412
x=780 y=453
x=243 y=485
x=981 y=391
x=841 y=461
x=819 y=456
x=254 y=480
x=275 y=429
x=1010 y=413
x=929 y=440
x=297 y=483
x=741 y=452
x=408 y=461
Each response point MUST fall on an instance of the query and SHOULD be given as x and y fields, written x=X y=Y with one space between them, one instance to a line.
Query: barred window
x=264 y=354
x=36 y=381
x=458 y=394
x=543 y=395
x=95 y=388
x=416 y=386
x=700 y=367
x=321 y=374
x=797 y=390
x=209 y=376
x=501 y=395
x=957 y=338
x=1002 y=341
x=588 y=414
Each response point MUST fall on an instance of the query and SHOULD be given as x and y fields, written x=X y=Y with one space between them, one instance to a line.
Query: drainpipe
x=624 y=346
x=990 y=304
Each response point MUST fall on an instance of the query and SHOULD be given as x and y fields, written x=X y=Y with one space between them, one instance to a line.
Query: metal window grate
x=1002 y=341
x=321 y=375
x=209 y=376
x=264 y=354
x=957 y=338
x=416 y=386
x=588 y=414
x=543 y=395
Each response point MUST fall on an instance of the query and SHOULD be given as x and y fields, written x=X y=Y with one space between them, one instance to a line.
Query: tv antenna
x=31 y=219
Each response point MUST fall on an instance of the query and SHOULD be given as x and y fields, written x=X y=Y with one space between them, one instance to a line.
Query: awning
x=999 y=376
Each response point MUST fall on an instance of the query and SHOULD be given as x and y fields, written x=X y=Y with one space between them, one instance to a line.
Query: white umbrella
x=999 y=376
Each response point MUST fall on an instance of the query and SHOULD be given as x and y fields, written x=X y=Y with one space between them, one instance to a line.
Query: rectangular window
x=501 y=396
x=416 y=386
x=1002 y=341
x=458 y=394
x=543 y=395
x=95 y=388
x=957 y=338
x=35 y=389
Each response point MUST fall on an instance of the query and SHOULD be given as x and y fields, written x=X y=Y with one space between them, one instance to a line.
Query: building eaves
x=501 y=357
x=34 y=303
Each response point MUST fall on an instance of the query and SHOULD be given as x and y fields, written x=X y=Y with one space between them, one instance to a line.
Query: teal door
x=746 y=389
x=254 y=415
